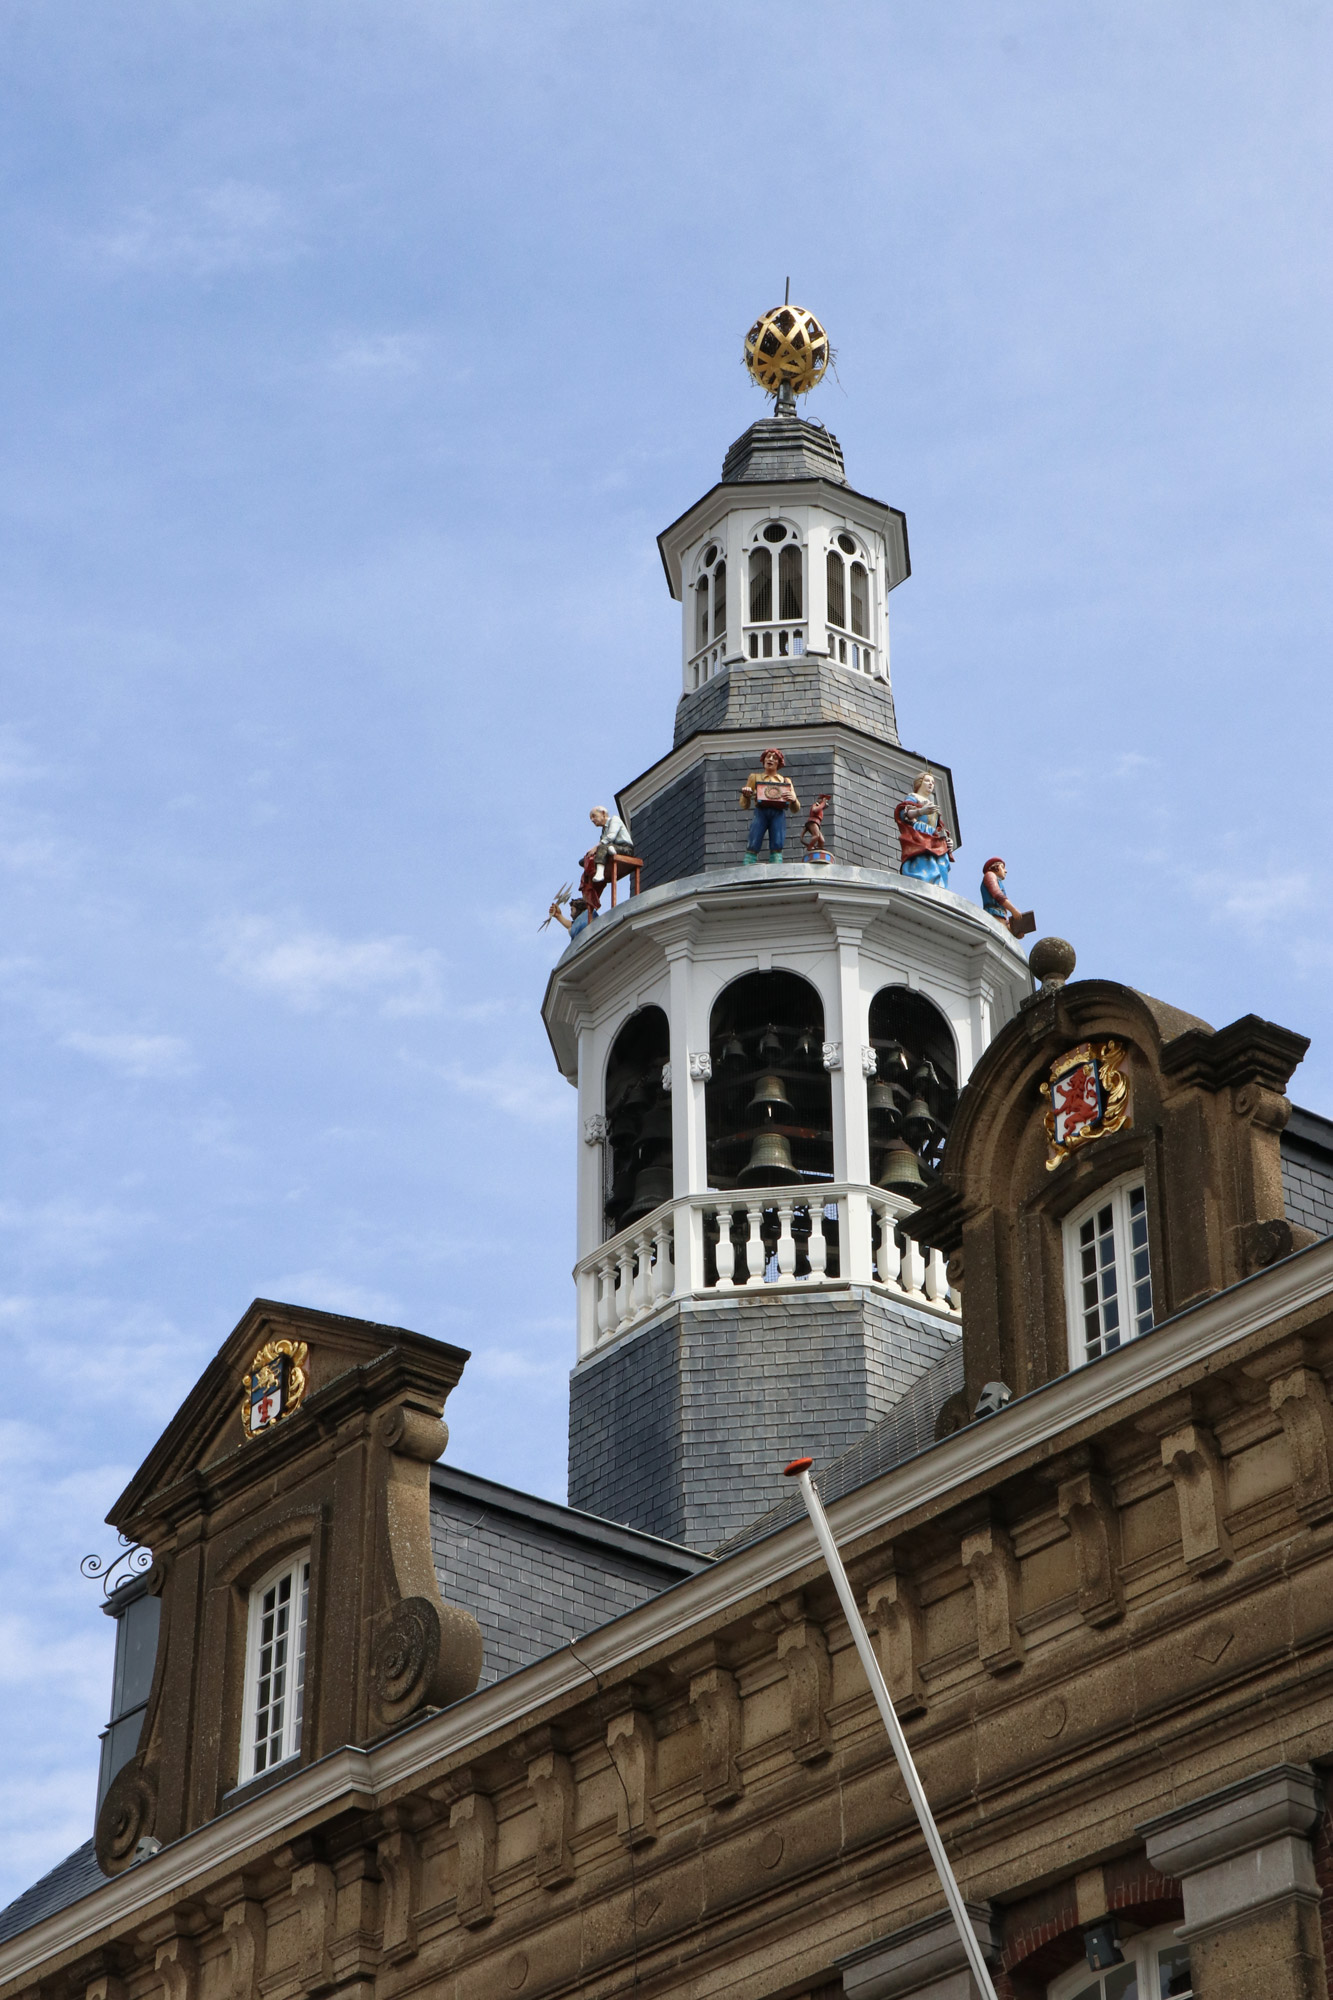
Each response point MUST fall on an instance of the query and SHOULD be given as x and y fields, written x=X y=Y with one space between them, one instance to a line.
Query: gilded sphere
x=787 y=345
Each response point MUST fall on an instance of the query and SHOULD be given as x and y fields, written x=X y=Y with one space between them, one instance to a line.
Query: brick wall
x=683 y=1430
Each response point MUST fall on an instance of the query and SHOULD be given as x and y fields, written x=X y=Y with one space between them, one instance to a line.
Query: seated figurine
x=613 y=838
x=996 y=903
x=926 y=848
x=770 y=798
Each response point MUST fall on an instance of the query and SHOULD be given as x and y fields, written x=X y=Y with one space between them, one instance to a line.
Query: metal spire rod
x=800 y=1469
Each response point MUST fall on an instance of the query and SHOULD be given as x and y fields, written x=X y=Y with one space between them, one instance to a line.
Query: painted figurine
x=997 y=904
x=770 y=798
x=812 y=833
x=927 y=850
x=613 y=838
x=579 y=914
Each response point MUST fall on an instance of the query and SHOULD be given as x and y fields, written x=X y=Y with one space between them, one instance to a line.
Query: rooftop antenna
x=786 y=293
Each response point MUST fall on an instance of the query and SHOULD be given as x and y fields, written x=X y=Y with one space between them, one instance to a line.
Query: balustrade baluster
x=913 y=1274
x=643 y=1277
x=935 y=1284
x=624 y=1284
x=606 y=1297
x=888 y=1259
x=786 y=1241
x=755 y=1254
x=817 y=1248
x=725 y=1253
x=663 y=1278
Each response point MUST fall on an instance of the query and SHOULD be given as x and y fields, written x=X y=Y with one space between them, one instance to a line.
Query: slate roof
x=784 y=448
x=1307 y=1171
x=77 y=1875
x=909 y=1428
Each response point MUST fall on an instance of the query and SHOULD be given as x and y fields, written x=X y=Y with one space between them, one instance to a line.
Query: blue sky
x=353 y=356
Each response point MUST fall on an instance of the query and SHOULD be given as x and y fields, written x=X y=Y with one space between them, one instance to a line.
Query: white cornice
x=980 y=1454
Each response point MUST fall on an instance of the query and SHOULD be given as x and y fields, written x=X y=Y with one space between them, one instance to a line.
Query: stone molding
x=925 y=1959
x=1241 y=1849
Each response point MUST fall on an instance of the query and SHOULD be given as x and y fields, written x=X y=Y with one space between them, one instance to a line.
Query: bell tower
x=767 y=1048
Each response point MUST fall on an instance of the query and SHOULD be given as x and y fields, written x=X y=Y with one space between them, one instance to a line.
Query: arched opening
x=638 y=1116
x=790 y=594
x=701 y=612
x=912 y=1095
x=860 y=600
x=761 y=586
x=837 y=590
x=719 y=600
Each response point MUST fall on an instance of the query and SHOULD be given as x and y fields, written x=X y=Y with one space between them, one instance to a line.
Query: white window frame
x=294 y=1571
x=1118 y=1196
x=1140 y=1952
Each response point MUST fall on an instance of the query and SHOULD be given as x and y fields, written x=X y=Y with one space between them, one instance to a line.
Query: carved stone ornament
x=595 y=1129
x=126 y=1817
x=1088 y=1097
x=833 y=1055
x=406 y=1651
x=274 y=1387
x=701 y=1066
x=869 y=1060
x=666 y=1077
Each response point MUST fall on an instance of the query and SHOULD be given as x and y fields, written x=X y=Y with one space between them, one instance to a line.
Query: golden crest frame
x=1108 y=1056
x=296 y=1352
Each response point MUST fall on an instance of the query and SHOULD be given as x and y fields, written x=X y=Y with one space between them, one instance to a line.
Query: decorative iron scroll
x=133 y=1560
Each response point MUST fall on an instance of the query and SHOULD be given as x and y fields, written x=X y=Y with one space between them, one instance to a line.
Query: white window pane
x=1174 y=1980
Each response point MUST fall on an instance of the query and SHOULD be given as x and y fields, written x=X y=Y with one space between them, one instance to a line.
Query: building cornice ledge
x=970 y=1459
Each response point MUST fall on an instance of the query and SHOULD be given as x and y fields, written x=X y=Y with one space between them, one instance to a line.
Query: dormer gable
x=286 y=1506
x=1111 y=1162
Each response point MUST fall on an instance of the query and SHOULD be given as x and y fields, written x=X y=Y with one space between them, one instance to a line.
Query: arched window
x=860 y=601
x=789 y=583
x=701 y=612
x=761 y=586
x=769 y=1112
x=770 y=1102
x=1154 y=1965
x=638 y=1115
x=911 y=1097
x=719 y=600
x=837 y=593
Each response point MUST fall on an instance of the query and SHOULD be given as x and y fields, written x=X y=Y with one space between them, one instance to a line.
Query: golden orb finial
x=787 y=352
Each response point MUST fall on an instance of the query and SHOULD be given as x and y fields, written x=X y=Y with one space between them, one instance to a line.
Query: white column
x=590 y=1120
x=816 y=580
x=851 y=1124
x=688 y=1148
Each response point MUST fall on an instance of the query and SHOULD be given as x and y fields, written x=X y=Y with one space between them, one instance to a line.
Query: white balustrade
x=793 y=1238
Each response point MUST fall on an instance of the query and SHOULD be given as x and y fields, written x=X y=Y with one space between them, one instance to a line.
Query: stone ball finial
x=1052 y=961
x=787 y=348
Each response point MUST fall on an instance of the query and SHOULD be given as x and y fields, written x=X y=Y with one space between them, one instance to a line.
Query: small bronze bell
x=769 y=1162
x=918 y=1123
x=732 y=1050
x=770 y=1095
x=807 y=1047
x=900 y=1171
x=892 y=1061
x=881 y=1097
x=770 y=1043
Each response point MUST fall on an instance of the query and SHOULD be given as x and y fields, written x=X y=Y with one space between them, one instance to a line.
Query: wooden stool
x=623 y=868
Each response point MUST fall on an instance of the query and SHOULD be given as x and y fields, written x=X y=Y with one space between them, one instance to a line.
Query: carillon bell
x=900 y=1171
x=732 y=1050
x=769 y=1161
x=652 y=1186
x=657 y=1122
x=892 y=1059
x=881 y=1097
x=770 y=1042
x=807 y=1047
x=770 y=1094
x=918 y=1122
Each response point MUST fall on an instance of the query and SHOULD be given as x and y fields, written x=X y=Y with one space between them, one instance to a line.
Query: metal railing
x=787 y=1238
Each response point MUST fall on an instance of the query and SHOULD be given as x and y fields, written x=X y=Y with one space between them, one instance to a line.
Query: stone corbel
x=104 y=1986
x=472 y=1821
x=897 y=1626
x=425 y=1653
x=1088 y=1511
x=988 y=1557
x=869 y=1060
x=245 y=1934
x=1300 y=1399
x=701 y=1066
x=551 y=1782
x=632 y=1742
x=177 y=1965
x=595 y=1129
x=1191 y=1456
x=832 y=1054
x=398 y=1859
x=803 y=1651
x=716 y=1702
x=315 y=1894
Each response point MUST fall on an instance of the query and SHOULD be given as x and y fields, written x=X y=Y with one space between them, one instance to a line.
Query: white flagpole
x=800 y=1469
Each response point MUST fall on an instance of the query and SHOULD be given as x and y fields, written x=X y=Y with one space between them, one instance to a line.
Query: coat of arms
x=1089 y=1097
x=274 y=1386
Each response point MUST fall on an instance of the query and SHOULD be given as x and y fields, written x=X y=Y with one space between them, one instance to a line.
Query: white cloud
x=68 y=1231
x=227 y=227
x=330 y=1294
x=382 y=354
x=135 y=1055
x=311 y=969
x=524 y=1091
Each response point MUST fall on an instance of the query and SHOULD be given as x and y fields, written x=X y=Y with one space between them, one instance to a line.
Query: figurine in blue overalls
x=770 y=798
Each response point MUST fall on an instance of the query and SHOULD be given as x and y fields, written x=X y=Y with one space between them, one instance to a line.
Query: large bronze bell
x=881 y=1097
x=918 y=1122
x=770 y=1095
x=652 y=1186
x=769 y=1162
x=900 y=1171
x=657 y=1122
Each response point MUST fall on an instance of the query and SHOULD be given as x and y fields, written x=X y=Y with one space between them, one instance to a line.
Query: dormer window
x=275 y=1668
x=1108 y=1275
